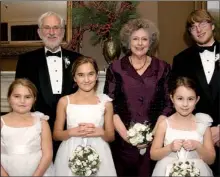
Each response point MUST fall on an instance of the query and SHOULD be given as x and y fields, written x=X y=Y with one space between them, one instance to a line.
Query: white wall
x=29 y=11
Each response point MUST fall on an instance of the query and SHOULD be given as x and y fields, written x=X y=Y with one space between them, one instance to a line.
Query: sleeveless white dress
x=21 y=148
x=202 y=122
x=85 y=114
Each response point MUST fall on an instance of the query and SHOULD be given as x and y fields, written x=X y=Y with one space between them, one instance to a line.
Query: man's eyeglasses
x=54 y=28
x=201 y=25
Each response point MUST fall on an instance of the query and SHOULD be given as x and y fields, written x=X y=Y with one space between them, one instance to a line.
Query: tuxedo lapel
x=44 y=79
x=67 y=76
x=215 y=81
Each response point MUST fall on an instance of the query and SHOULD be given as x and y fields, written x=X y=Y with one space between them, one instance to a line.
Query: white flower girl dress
x=85 y=114
x=202 y=122
x=21 y=148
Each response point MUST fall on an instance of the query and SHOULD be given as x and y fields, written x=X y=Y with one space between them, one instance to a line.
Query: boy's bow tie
x=209 y=48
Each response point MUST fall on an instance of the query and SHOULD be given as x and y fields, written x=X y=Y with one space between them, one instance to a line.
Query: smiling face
x=86 y=77
x=139 y=42
x=202 y=33
x=21 y=99
x=51 y=32
x=184 y=100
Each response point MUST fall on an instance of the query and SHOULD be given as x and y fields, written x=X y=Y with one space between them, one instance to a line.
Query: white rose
x=84 y=164
x=140 y=139
x=94 y=170
x=133 y=141
x=131 y=132
x=74 y=170
x=80 y=153
x=183 y=166
x=79 y=148
x=196 y=171
x=73 y=155
x=90 y=158
x=94 y=163
x=88 y=173
x=87 y=168
x=175 y=168
x=175 y=174
x=139 y=127
x=192 y=174
x=78 y=162
x=149 y=137
x=143 y=128
x=95 y=156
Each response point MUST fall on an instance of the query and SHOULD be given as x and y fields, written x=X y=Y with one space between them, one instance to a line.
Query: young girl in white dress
x=26 y=142
x=89 y=119
x=183 y=133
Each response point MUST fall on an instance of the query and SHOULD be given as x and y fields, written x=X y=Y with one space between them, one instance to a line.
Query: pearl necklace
x=140 y=67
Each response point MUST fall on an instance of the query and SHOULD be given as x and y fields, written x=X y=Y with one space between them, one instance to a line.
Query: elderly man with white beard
x=49 y=68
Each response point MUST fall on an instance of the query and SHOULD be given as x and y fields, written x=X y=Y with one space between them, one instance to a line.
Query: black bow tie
x=49 y=53
x=209 y=48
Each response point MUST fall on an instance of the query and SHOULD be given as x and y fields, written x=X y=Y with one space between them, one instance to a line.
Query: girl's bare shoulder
x=163 y=123
x=6 y=117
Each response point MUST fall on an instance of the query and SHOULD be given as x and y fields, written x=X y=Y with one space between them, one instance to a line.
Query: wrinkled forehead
x=51 y=20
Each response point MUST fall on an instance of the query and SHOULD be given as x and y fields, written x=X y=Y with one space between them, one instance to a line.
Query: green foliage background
x=84 y=16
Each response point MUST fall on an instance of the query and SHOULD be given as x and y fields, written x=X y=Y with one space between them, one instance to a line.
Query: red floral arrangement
x=103 y=18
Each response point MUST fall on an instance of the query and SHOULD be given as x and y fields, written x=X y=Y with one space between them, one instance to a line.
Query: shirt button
x=58 y=91
x=55 y=70
x=208 y=71
x=55 y=60
x=207 y=60
x=56 y=80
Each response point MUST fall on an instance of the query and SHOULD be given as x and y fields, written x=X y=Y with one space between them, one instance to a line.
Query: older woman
x=138 y=84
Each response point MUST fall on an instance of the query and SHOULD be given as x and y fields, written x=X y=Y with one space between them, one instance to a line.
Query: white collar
x=46 y=49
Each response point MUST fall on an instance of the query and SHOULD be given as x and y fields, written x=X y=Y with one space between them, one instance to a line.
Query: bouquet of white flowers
x=140 y=134
x=184 y=168
x=85 y=161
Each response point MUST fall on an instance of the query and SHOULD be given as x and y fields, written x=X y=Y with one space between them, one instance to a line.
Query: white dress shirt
x=208 y=63
x=55 y=68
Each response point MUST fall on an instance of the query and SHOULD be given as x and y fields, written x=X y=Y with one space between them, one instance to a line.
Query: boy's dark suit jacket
x=188 y=63
x=33 y=66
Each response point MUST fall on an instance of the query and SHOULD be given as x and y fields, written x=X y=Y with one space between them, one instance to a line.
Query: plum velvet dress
x=136 y=98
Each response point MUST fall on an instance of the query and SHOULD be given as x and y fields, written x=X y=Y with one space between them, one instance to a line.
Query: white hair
x=50 y=13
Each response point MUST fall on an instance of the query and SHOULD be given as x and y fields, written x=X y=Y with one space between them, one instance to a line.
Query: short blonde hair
x=136 y=24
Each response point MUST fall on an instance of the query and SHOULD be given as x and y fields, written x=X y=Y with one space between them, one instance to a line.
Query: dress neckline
x=182 y=130
x=34 y=124
x=20 y=127
x=84 y=104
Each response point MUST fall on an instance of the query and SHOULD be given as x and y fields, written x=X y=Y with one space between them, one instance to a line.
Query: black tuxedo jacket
x=33 y=66
x=188 y=63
